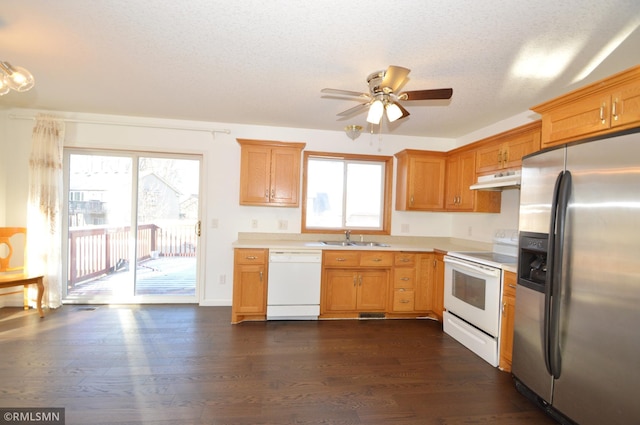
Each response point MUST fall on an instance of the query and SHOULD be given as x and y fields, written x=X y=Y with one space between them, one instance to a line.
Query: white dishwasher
x=293 y=291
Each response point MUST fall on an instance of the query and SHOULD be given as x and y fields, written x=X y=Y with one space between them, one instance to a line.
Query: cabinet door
x=285 y=176
x=340 y=291
x=425 y=283
x=249 y=289
x=466 y=177
x=489 y=159
x=438 y=289
x=372 y=290
x=255 y=175
x=506 y=332
x=520 y=146
x=625 y=105
x=580 y=118
x=452 y=183
x=426 y=183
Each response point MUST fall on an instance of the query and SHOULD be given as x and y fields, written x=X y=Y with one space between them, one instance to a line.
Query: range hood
x=500 y=181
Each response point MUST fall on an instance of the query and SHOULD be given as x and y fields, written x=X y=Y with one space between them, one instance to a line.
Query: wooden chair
x=18 y=275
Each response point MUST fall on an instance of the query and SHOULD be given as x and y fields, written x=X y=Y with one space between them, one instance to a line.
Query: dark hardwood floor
x=188 y=365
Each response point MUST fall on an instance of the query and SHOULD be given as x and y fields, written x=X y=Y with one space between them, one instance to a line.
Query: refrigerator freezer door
x=528 y=358
x=599 y=379
x=539 y=173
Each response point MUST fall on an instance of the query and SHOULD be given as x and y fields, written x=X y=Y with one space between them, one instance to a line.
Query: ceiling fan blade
x=394 y=76
x=426 y=94
x=405 y=113
x=354 y=110
x=344 y=92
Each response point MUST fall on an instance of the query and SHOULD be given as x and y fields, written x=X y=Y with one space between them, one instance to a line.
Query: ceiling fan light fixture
x=17 y=78
x=353 y=131
x=375 y=112
x=393 y=112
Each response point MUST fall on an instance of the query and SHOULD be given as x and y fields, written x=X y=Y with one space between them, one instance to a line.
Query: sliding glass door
x=133 y=227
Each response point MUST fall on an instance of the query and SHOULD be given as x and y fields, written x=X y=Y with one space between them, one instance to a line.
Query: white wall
x=220 y=186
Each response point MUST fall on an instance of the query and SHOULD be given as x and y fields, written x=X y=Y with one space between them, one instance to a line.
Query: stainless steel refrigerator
x=577 y=316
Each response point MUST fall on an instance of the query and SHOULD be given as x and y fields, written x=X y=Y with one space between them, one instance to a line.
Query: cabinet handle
x=341 y=259
x=504 y=305
x=251 y=257
x=404 y=301
x=377 y=260
x=261 y=275
x=266 y=193
x=614 y=110
x=511 y=285
x=404 y=278
x=355 y=280
x=505 y=158
x=273 y=193
x=405 y=259
x=360 y=277
x=401 y=290
x=602 y=113
x=411 y=201
x=499 y=158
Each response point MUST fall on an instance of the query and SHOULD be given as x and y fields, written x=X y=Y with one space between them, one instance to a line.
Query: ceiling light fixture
x=14 y=77
x=393 y=111
x=353 y=131
x=375 y=112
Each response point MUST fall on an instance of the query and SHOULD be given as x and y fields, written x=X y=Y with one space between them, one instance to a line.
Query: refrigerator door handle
x=546 y=325
x=560 y=204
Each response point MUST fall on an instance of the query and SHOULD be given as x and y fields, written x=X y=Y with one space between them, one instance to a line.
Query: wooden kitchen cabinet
x=270 y=173
x=438 y=286
x=420 y=180
x=508 y=315
x=250 y=271
x=354 y=282
x=504 y=151
x=460 y=174
x=606 y=106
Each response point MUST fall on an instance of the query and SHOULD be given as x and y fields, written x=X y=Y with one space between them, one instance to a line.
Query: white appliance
x=472 y=298
x=293 y=292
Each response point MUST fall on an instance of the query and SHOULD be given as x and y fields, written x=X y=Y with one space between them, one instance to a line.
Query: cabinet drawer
x=402 y=259
x=250 y=256
x=404 y=278
x=376 y=259
x=403 y=300
x=509 y=284
x=341 y=258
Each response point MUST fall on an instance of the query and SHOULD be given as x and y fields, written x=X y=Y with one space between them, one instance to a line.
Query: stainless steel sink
x=353 y=243
x=336 y=243
x=369 y=244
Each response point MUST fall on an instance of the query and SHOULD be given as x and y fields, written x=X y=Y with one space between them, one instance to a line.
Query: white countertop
x=396 y=243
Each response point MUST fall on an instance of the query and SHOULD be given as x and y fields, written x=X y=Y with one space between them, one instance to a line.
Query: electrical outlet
x=254 y=223
x=404 y=228
x=223 y=279
x=283 y=224
x=470 y=231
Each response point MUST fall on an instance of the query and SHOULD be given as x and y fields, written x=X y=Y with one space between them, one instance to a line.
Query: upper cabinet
x=505 y=150
x=606 y=106
x=420 y=180
x=270 y=173
x=460 y=174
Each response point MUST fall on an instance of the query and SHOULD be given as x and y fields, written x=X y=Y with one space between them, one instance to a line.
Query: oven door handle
x=488 y=271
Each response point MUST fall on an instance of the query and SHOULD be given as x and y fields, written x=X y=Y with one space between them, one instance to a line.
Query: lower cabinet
x=249 y=284
x=438 y=285
x=354 y=282
x=508 y=314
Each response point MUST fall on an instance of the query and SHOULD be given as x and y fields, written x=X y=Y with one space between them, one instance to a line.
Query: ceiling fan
x=382 y=96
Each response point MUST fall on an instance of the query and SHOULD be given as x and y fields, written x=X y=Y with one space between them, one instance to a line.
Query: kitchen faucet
x=347 y=235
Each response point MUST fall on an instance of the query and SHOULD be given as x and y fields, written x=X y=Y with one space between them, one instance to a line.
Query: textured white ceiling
x=265 y=62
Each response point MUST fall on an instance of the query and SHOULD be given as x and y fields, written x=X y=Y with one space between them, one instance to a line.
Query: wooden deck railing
x=100 y=250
